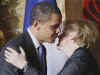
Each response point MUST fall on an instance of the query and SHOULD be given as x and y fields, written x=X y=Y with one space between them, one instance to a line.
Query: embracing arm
x=18 y=60
x=5 y=67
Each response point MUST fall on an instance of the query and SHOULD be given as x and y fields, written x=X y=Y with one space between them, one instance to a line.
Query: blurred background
x=12 y=16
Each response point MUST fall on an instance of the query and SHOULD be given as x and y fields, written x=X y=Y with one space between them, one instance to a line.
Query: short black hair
x=42 y=11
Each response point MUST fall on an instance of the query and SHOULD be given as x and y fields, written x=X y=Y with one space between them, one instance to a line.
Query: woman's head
x=85 y=33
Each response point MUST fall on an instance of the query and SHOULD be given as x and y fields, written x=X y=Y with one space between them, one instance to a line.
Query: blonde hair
x=87 y=32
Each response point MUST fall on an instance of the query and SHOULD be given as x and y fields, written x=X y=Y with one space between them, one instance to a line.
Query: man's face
x=49 y=30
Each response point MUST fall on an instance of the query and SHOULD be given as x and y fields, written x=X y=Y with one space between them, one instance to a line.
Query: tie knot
x=42 y=49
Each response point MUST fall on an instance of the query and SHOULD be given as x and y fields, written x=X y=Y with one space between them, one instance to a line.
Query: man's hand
x=15 y=58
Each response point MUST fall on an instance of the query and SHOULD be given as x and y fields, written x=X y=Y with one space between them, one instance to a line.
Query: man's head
x=81 y=32
x=45 y=21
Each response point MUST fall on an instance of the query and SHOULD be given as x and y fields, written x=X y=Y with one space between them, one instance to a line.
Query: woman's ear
x=73 y=38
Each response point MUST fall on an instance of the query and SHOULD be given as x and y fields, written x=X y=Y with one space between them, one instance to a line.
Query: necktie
x=42 y=59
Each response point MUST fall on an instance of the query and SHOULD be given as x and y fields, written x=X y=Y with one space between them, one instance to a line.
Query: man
x=45 y=22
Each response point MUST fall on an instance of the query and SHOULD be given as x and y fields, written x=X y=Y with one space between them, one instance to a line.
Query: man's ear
x=36 y=23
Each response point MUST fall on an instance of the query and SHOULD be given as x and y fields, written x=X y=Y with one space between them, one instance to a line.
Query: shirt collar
x=34 y=40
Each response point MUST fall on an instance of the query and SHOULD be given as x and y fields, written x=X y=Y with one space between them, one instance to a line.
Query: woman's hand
x=15 y=58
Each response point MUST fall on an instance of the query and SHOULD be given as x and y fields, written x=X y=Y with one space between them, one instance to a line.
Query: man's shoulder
x=16 y=39
x=14 y=42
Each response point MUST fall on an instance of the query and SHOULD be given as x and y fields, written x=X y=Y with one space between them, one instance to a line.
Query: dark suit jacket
x=81 y=63
x=25 y=42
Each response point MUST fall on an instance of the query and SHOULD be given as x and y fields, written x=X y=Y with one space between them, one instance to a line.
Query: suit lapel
x=30 y=50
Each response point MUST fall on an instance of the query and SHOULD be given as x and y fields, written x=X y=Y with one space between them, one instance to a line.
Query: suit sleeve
x=9 y=69
x=77 y=64
x=31 y=71
x=74 y=68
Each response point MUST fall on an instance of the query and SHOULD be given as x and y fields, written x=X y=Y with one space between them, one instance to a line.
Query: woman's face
x=67 y=42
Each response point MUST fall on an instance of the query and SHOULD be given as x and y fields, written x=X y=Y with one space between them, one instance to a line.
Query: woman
x=77 y=41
